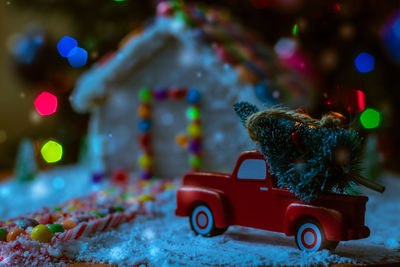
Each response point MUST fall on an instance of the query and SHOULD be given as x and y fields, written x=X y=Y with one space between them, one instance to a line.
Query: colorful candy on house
x=187 y=46
x=77 y=218
x=191 y=140
x=27 y=222
x=3 y=234
x=68 y=224
x=42 y=234
x=56 y=228
x=14 y=233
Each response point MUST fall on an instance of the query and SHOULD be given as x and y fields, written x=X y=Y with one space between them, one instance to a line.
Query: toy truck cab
x=249 y=197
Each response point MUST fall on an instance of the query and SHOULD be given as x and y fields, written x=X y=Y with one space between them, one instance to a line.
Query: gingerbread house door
x=170 y=133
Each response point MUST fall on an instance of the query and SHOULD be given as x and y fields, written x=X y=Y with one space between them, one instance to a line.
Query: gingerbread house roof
x=193 y=26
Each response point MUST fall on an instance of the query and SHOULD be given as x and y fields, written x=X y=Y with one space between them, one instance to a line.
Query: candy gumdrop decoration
x=97 y=177
x=46 y=103
x=194 y=146
x=13 y=234
x=193 y=113
x=145 y=95
x=120 y=177
x=3 y=234
x=160 y=94
x=195 y=161
x=145 y=161
x=42 y=234
x=68 y=224
x=77 y=57
x=144 y=125
x=194 y=130
x=193 y=96
x=56 y=228
x=182 y=140
x=27 y=222
x=65 y=45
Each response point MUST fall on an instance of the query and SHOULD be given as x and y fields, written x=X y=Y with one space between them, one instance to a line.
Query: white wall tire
x=310 y=236
x=202 y=221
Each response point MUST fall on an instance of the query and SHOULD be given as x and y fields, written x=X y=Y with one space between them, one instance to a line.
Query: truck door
x=251 y=193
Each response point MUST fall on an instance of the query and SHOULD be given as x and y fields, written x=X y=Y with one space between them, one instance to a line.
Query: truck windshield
x=252 y=169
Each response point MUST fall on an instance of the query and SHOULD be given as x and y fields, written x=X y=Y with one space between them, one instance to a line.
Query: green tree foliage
x=26 y=165
x=306 y=159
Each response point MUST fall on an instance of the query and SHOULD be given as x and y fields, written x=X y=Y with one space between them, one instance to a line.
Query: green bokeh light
x=370 y=118
x=295 y=30
x=52 y=151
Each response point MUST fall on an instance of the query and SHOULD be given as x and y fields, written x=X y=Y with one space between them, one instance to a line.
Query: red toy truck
x=249 y=197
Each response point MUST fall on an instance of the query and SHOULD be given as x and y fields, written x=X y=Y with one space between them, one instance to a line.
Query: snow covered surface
x=49 y=188
x=167 y=240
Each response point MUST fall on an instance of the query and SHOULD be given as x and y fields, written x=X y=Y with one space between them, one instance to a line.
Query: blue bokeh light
x=391 y=35
x=77 y=57
x=65 y=45
x=364 y=62
x=27 y=48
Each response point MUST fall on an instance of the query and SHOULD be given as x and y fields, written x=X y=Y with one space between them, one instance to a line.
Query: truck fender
x=330 y=220
x=188 y=198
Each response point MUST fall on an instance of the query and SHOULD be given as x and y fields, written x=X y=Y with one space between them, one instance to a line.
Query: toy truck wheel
x=310 y=236
x=202 y=222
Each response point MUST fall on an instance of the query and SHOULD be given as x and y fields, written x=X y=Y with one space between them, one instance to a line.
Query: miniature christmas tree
x=308 y=156
x=26 y=165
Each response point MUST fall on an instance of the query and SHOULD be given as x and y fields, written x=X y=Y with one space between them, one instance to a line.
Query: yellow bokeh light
x=52 y=151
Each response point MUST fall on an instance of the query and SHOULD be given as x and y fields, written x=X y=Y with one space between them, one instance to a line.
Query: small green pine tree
x=26 y=166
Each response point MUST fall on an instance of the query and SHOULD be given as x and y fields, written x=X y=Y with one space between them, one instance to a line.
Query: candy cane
x=79 y=232
x=85 y=229
x=94 y=225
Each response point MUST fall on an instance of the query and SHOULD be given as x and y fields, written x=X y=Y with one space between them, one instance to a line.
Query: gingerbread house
x=162 y=103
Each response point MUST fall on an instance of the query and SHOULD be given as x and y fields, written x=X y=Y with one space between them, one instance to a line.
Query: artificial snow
x=165 y=240
x=162 y=239
x=49 y=188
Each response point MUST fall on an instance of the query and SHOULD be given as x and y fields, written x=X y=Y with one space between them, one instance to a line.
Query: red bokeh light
x=355 y=101
x=46 y=103
x=336 y=7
